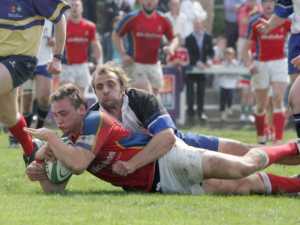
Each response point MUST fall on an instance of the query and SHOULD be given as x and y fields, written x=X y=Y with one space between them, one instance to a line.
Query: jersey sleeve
x=51 y=9
x=124 y=26
x=92 y=34
x=169 y=29
x=284 y=8
x=148 y=109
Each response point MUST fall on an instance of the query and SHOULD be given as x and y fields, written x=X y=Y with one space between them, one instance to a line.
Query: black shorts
x=20 y=67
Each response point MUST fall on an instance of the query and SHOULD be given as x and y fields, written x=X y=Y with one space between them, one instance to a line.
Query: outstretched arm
x=75 y=158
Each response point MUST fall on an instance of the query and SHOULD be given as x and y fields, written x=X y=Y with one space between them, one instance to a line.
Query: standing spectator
x=145 y=28
x=177 y=18
x=231 y=24
x=200 y=48
x=269 y=71
x=219 y=49
x=244 y=12
x=209 y=7
x=80 y=34
x=21 y=29
x=192 y=10
x=228 y=84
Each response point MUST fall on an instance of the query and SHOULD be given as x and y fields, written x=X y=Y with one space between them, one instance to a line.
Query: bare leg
x=245 y=186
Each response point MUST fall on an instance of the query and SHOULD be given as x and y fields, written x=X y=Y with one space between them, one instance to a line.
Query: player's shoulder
x=91 y=122
x=255 y=19
x=88 y=23
x=138 y=95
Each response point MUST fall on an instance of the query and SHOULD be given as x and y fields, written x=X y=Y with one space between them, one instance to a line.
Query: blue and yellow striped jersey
x=21 y=24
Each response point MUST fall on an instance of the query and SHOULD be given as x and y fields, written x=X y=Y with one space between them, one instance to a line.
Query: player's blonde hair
x=111 y=67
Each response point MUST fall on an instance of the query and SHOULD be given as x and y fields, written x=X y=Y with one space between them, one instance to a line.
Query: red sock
x=276 y=153
x=25 y=139
x=260 y=124
x=278 y=123
x=281 y=184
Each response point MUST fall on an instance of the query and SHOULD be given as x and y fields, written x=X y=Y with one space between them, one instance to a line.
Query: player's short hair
x=111 y=67
x=70 y=91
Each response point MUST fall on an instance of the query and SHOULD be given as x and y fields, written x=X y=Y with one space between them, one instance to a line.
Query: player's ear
x=82 y=109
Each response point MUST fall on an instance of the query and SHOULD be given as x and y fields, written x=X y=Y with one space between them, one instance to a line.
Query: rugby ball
x=57 y=172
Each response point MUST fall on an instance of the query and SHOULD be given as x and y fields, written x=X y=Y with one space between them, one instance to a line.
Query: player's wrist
x=58 y=57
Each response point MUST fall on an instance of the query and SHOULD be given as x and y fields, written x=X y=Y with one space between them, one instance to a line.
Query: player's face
x=174 y=6
x=76 y=8
x=108 y=90
x=150 y=4
x=66 y=116
x=268 y=7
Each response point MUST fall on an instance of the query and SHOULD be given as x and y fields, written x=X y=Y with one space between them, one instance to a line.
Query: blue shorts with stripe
x=293 y=51
x=199 y=141
x=42 y=70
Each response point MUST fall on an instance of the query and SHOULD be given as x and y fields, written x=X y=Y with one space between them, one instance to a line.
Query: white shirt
x=45 y=52
x=178 y=23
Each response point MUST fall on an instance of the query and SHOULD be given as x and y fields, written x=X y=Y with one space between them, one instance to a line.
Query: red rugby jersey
x=110 y=142
x=79 y=36
x=269 y=46
x=145 y=33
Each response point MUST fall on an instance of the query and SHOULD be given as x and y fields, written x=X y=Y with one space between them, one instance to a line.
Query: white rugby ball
x=57 y=172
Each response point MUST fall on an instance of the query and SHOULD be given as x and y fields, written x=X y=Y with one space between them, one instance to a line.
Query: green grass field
x=90 y=201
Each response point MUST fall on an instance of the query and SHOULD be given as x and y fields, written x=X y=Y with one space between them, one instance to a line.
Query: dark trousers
x=231 y=33
x=200 y=81
x=226 y=98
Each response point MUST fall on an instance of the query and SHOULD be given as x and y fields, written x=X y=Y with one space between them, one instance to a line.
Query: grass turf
x=90 y=201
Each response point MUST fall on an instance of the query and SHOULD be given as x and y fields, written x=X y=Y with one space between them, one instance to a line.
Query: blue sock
x=297 y=123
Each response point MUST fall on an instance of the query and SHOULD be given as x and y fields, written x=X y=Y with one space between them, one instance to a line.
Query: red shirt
x=110 y=142
x=145 y=33
x=269 y=46
x=79 y=36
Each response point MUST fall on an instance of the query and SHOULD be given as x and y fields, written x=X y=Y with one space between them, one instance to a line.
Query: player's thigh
x=261 y=80
x=225 y=166
x=9 y=108
x=6 y=83
x=294 y=100
x=82 y=76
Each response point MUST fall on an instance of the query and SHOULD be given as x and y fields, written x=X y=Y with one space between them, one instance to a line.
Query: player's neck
x=75 y=19
x=148 y=12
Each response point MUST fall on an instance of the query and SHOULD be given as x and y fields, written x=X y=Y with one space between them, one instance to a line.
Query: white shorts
x=268 y=72
x=180 y=170
x=151 y=72
x=78 y=74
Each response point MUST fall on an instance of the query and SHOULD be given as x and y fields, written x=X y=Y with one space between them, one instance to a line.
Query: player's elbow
x=169 y=139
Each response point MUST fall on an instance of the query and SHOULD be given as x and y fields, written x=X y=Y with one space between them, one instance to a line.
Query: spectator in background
x=200 y=48
x=228 y=84
x=80 y=34
x=244 y=13
x=231 y=23
x=269 y=71
x=209 y=7
x=177 y=18
x=145 y=28
x=219 y=49
x=110 y=52
x=192 y=10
